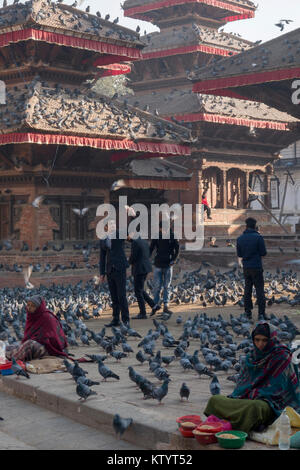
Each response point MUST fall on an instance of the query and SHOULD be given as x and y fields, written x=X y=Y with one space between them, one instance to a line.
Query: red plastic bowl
x=187 y=432
x=189 y=418
x=205 y=437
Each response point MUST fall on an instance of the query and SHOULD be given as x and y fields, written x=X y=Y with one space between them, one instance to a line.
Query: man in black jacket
x=167 y=250
x=251 y=248
x=141 y=266
x=113 y=264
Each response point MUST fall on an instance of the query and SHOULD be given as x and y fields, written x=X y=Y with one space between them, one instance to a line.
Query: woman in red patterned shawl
x=43 y=334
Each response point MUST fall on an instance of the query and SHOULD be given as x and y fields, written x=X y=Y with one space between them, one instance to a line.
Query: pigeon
x=161 y=392
x=106 y=372
x=84 y=380
x=27 y=274
x=215 y=388
x=81 y=212
x=184 y=391
x=121 y=424
x=118 y=355
x=18 y=370
x=96 y=357
x=84 y=391
x=38 y=201
x=140 y=356
x=77 y=371
x=118 y=185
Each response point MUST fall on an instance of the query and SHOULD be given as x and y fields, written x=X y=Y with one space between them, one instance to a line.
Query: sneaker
x=166 y=310
x=140 y=317
x=155 y=309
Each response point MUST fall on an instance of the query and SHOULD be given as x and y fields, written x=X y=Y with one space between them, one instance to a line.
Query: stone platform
x=154 y=425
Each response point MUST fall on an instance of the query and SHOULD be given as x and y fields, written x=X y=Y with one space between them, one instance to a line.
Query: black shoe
x=112 y=323
x=248 y=315
x=140 y=317
x=166 y=310
x=263 y=318
x=155 y=309
x=126 y=324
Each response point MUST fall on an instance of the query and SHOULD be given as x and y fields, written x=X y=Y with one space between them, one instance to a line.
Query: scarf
x=43 y=326
x=269 y=374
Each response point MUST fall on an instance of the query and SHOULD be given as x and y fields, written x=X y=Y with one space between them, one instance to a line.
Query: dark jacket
x=140 y=257
x=251 y=247
x=113 y=259
x=166 y=250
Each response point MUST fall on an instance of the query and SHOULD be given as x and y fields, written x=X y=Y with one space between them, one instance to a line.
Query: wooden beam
x=256 y=143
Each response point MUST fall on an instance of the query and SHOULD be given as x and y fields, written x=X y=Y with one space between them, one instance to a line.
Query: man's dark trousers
x=141 y=294
x=117 y=288
x=254 y=277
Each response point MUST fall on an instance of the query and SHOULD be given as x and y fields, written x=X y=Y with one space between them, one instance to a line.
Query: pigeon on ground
x=215 y=388
x=86 y=381
x=78 y=371
x=161 y=392
x=184 y=391
x=84 y=391
x=106 y=372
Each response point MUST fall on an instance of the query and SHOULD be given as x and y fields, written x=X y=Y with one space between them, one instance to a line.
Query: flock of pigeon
x=203 y=344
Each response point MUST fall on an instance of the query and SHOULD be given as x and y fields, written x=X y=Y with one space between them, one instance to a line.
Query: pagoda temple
x=60 y=140
x=236 y=140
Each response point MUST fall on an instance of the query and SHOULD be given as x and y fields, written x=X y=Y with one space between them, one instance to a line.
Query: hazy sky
x=261 y=27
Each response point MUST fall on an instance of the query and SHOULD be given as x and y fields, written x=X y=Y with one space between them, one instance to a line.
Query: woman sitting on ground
x=268 y=382
x=43 y=334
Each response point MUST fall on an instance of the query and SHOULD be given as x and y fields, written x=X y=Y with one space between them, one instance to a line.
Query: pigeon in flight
x=38 y=201
x=121 y=424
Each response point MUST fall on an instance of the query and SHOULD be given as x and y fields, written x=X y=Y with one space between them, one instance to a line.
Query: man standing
x=113 y=264
x=251 y=248
x=167 y=250
x=141 y=266
x=206 y=205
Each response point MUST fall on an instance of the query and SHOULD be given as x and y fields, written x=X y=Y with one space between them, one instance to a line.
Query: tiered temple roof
x=264 y=73
x=214 y=11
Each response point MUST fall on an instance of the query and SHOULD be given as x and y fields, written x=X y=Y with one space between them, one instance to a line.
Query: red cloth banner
x=103 y=144
x=246 y=79
x=114 y=69
x=136 y=12
x=216 y=118
x=122 y=52
x=187 y=50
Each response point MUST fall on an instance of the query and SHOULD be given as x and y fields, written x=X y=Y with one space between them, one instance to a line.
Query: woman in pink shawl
x=43 y=334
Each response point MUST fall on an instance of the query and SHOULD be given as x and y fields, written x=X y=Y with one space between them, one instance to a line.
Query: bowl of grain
x=231 y=439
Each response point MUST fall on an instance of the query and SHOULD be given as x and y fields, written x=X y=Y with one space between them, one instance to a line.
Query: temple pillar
x=246 y=187
x=267 y=189
x=224 y=189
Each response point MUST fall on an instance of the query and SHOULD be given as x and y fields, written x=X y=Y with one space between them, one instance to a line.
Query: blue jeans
x=162 y=279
